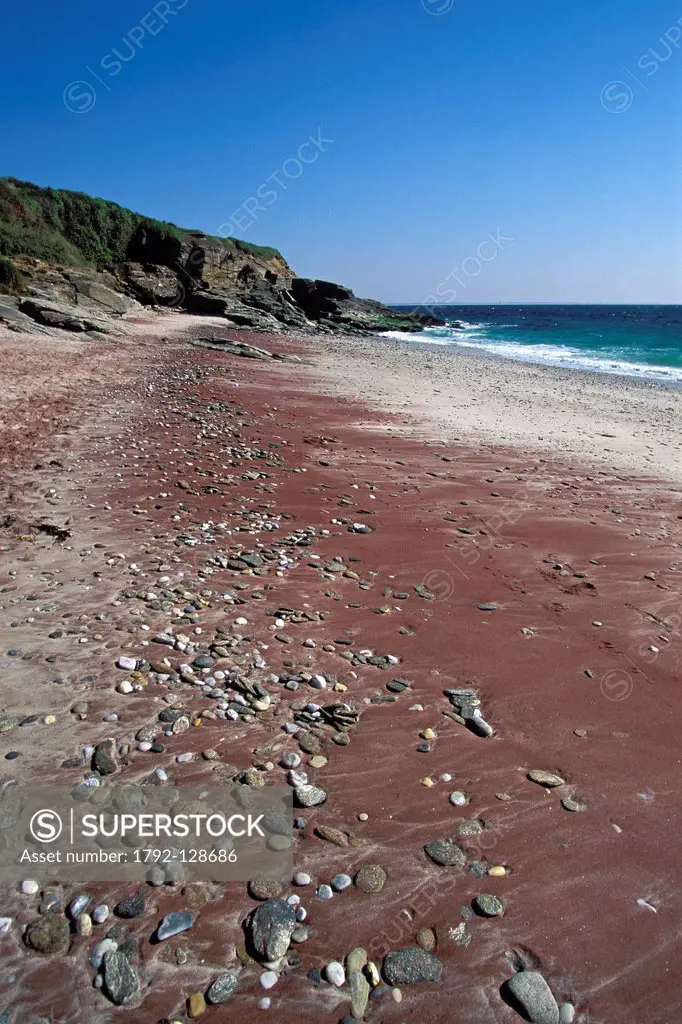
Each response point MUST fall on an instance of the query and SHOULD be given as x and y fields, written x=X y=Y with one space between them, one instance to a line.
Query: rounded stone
x=411 y=966
x=341 y=882
x=301 y=878
x=222 y=988
x=335 y=973
x=489 y=906
x=50 y=934
x=426 y=939
x=532 y=993
x=263 y=888
x=548 y=779
x=131 y=907
x=371 y=878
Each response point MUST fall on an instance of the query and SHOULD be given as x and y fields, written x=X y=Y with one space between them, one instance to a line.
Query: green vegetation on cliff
x=10 y=278
x=74 y=229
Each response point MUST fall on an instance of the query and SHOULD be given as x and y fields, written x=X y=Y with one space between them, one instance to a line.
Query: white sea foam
x=473 y=336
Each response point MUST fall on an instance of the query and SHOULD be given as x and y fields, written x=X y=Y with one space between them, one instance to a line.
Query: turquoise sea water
x=636 y=341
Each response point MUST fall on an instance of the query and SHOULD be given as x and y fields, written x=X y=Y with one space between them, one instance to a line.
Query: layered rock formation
x=83 y=262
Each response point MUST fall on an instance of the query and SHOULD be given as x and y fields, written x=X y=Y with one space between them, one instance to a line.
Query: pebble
x=549 y=779
x=100 y=913
x=196 y=1005
x=301 y=878
x=120 y=978
x=534 y=995
x=489 y=906
x=411 y=966
x=29 y=887
x=371 y=878
x=566 y=1013
x=173 y=924
x=341 y=882
x=50 y=934
x=131 y=907
x=263 y=888
x=426 y=939
x=84 y=924
x=458 y=799
x=309 y=796
x=97 y=954
x=497 y=871
x=325 y=892
x=222 y=988
x=129 y=664
x=335 y=973
x=268 y=979
x=270 y=927
x=445 y=853
x=265 y=1003
x=290 y=761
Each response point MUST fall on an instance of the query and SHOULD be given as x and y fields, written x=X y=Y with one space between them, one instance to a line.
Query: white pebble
x=30 y=888
x=335 y=973
x=264 y=1004
x=268 y=979
x=125 y=686
x=301 y=878
x=100 y=913
x=458 y=799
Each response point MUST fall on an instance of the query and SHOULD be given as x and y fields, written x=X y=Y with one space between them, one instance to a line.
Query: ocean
x=635 y=341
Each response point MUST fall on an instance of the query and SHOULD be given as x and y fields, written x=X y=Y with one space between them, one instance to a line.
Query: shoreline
x=480 y=351
x=552 y=592
x=604 y=420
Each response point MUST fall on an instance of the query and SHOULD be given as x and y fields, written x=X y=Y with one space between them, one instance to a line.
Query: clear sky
x=451 y=120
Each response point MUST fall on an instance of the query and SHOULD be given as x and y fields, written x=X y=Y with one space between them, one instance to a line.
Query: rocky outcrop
x=324 y=301
x=143 y=262
x=54 y=314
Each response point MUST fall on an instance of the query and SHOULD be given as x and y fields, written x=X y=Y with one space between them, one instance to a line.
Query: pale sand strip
x=612 y=422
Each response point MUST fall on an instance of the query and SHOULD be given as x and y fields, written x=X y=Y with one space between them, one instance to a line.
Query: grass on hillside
x=72 y=228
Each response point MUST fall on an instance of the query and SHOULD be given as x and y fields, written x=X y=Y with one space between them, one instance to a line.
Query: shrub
x=10 y=278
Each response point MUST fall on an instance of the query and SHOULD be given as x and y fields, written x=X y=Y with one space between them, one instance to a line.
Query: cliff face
x=72 y=249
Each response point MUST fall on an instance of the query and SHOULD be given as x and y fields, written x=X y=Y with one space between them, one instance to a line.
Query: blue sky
x=446 y=121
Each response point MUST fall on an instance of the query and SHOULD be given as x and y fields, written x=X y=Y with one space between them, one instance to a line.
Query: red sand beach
x=549 y=586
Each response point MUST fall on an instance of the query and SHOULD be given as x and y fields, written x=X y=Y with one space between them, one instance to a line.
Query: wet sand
x=577 y=668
